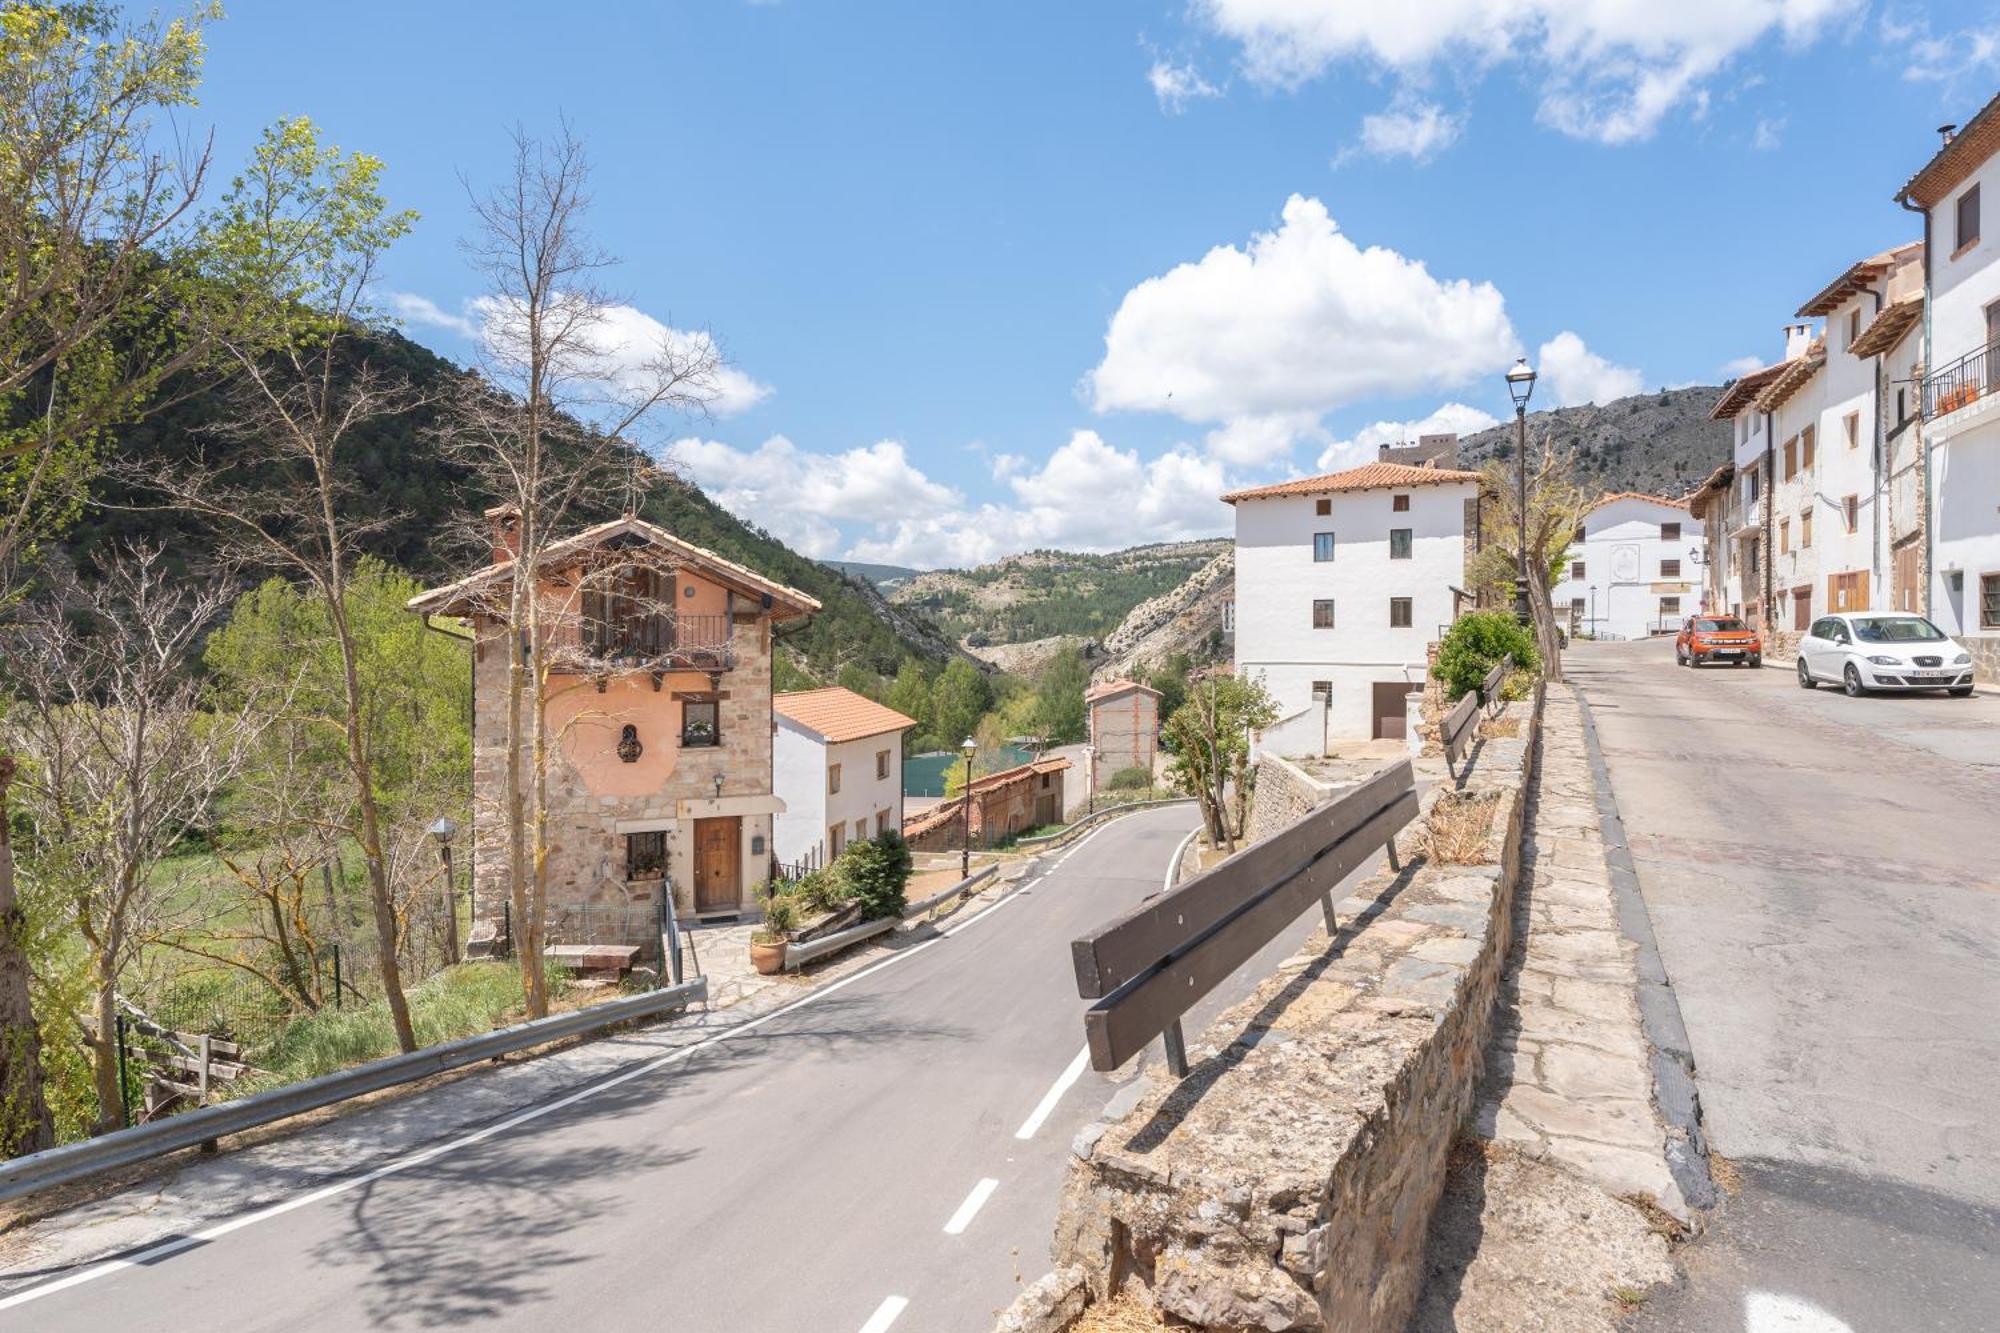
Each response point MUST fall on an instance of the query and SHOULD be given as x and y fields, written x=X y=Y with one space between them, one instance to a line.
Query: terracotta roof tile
x=1106 y=689
x=836 y=714
x=1739 y=394
x=1797 y=373
x=1639 y=495
x=1887 y=329
x=1859 y=276
x=1978 y=140
x=1369 y=476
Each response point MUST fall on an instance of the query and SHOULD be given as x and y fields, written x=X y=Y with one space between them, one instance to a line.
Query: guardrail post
x=1176 y=1045
x=124 y=1081
x=336 y=974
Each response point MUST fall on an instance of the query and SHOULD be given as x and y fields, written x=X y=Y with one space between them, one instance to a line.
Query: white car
x=1883 y=650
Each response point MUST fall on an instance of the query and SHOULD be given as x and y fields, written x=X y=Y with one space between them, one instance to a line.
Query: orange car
x=1718 y=639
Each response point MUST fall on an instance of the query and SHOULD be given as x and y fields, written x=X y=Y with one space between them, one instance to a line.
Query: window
x=1670 y=569
x=861 y=830
x=1046 y=781
x=1784 y=536
x=1399 y=613
x=701 y=722
x=1576 y=569
x=1989 y=601
x=646 y=855
x=1902 y=406
x=881 y=763
x=1754 y=554
x=836 y=841
x=1399 y=503
x=1670 y=532
x=1791 y=458
x=1850 y=426
x=1399 y=543
x=1322 y=547
x=1805 y=529
x=1323 y=613
x=1322 y=506
x=881 y=822
x=1576 y=608
x=1670 y=608
x=1807 y=439
x=1850 y=509
x=1322 y=691
x=1853 y=325
x=622 y=612
x=1968 y=220
x=833 y=779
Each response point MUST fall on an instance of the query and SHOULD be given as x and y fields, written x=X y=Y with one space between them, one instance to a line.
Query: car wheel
x=1753 y=662
x=1850 y=680
x=1960 y=691
x=1806 y=682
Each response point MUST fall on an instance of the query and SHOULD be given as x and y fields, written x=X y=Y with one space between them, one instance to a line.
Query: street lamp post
x=968 y=746
x=1090 y=779
x=443 y=830
x=1521 y=384
x=1593 y=610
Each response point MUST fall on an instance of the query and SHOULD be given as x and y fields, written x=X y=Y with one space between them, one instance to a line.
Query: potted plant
x=767 y=945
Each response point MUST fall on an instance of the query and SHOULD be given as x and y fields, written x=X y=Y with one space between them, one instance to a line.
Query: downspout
x=1923 y=435
x=1770 y=498
x=1875 y=448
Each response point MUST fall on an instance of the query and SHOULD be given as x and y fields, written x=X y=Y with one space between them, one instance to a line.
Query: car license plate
x=1727 y=652
x=1930 y=675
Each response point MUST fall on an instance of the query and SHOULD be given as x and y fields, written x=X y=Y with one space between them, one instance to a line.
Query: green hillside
x=1043 y=594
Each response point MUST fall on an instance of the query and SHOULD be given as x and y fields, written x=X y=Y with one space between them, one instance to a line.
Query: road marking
x=1174 y=865
x=1766 y=1312
x=1064 y=1082
x=885 y=1314
x=168 y=1248
x=968 y=1210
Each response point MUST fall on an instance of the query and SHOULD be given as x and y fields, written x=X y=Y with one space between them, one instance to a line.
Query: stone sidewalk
x=1569 y=1077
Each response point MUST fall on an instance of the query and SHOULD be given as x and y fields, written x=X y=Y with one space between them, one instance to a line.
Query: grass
x=457 y=1002
x=1457 y=831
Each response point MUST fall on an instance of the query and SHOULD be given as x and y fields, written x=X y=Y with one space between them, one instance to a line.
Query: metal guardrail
x=797 y=955
x=939 y=899
x=1047 y=840
x=125 y=1147
x=1147 y=969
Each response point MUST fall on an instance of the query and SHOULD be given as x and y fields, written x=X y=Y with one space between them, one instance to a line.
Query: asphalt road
x=1820 y=876
x=853 y=1163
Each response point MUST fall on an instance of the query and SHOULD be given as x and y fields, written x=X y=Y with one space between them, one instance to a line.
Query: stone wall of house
x=1288 y=1182
x=586 y=856
x=997 y=811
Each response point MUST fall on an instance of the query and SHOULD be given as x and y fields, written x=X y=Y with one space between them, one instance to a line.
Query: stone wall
x=1288 y=1181
x=1284 y=793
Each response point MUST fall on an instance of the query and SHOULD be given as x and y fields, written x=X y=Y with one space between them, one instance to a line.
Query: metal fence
x=1963 y=381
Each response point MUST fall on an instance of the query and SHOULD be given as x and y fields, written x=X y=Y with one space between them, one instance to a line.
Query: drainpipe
x=1923 y=435
x=1876 y=451
x=1770 y=498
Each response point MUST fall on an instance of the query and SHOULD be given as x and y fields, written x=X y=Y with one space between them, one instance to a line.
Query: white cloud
x=1930 y=58
x=414 y=309
x=1770 y=134
x=1610 y=70
x=1261 y=340
x=1455 y=418
x=1175 y=85
x=1737 y=367
x=1570 y=373
x=1409 y=128
x=874 y=503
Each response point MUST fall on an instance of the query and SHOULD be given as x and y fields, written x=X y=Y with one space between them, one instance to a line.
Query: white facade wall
x=1846 y=392
x=801 y=765
x=1794 y=564
x=1277 y=581
x=1624 y=560
x=1965 y=442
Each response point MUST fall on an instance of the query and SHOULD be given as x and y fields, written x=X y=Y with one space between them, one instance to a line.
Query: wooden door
x=1847 y=592
x=718 y=866
x=1391 y=709
x=1909 y=593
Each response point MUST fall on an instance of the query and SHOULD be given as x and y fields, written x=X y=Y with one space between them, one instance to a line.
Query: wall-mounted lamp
x=629 y=748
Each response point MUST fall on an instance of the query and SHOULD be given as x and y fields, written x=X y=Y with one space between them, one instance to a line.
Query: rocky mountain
x=1186 y=619
x=1049 y=595
x=1662 y=443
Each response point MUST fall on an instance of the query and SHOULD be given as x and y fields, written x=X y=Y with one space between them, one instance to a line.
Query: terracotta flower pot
x=767 y=957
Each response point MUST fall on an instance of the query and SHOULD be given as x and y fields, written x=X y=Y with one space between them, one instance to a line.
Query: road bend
x=1820 y=878
x=884 y=1155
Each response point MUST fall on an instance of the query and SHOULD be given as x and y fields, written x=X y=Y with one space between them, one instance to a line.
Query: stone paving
x=1569 y=1078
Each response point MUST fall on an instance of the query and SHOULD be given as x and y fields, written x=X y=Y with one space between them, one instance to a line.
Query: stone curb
x=1674 y=1091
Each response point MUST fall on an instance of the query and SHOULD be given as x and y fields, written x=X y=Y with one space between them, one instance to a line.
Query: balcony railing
x=1963 y=381
x=667 y=640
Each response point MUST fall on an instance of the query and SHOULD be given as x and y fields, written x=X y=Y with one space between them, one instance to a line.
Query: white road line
x=1167 y=882
x=885 y=1314
x=1064 y=1082
x=968 y=1210
x=168 y=1248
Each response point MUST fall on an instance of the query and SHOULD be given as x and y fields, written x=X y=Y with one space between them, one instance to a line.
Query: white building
x=1341 y=583
x=1961 y=388
x=1637 y=570
x=837 y=764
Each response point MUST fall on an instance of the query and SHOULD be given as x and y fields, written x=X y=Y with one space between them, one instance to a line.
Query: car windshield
x=1897 y=629
x=1718 y=625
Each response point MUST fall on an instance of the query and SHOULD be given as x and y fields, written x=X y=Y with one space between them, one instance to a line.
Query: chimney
x=1798 y=337
x=506 y=520
x=1947 y=133
x=1382 y=452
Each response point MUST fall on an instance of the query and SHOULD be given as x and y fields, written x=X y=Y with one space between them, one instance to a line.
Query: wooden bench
x=617 y=959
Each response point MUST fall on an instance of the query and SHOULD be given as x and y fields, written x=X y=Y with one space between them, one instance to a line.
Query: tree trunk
x=25 y=1124
x=1544 y=620
x=515 y=799
x=104 y=1050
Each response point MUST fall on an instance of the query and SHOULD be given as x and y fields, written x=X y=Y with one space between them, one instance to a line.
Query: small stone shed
x=1011 y=801
x=1124 y=718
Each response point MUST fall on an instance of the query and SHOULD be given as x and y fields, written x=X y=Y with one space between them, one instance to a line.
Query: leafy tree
x=910 y=695
x=1475 y=643
x=1556 y=508
x=877 y=870
x=858 y=678
x=959 y=697
x=1059 y=715
x=1170 y=678
x=1211 y=735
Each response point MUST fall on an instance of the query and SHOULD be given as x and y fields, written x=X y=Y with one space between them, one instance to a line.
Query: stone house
x=1124 y=720
x=1004 y=803
x=656 y=669
x=838 y=771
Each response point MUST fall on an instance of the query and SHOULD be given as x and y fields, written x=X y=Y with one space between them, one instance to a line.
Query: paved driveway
x=1820 y=873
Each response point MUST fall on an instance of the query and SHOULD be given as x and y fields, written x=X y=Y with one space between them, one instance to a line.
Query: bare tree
x=1556 y=506
x=546 y=433
x=306 y=227
x=122 y=759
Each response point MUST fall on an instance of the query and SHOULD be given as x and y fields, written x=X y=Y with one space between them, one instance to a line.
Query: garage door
x=1392 y=705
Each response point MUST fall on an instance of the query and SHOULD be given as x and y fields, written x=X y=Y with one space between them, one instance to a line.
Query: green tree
x=1475 y=643
x=1170 y=678
x=858 y=678
x=959 y=698
x=876 y=871
x=1211 y=744
x=910 y=695
x=1059 y=691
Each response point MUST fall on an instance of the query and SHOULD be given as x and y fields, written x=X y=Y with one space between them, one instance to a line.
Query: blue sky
x=999 y=276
